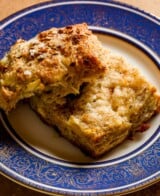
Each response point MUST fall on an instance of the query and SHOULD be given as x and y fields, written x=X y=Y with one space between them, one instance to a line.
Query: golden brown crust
x=64 y=58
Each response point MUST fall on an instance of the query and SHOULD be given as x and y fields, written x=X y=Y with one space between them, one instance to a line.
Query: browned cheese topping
x=61 y=58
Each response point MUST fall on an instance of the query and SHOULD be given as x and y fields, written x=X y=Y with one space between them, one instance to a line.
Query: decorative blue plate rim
x=57 y=1
x=145 y=145
x=127 y=176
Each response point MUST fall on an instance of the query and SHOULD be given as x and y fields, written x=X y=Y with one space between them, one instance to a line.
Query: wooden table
x=7 y=7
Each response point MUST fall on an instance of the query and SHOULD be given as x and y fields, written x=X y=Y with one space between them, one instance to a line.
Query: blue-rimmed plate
x=34 y=155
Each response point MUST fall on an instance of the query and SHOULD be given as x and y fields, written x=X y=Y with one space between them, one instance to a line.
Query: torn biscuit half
x=59 y=58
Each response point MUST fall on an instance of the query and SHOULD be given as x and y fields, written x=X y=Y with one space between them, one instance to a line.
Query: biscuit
x=106 y=111
x=60 y=59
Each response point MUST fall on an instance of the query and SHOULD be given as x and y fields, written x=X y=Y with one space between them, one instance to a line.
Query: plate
x=34 y=155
